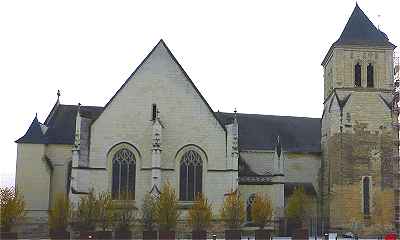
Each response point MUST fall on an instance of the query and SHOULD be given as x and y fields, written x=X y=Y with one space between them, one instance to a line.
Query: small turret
x=156 y=155
x=278 y=157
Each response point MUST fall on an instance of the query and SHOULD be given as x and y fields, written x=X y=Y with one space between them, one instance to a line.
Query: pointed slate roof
x=34 y=134
x=61 y=125
x=359 y=30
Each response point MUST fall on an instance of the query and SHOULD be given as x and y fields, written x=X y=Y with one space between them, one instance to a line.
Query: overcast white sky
x=258 y=56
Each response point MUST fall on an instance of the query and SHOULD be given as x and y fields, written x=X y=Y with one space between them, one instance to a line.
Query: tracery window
x=250 y=202
x=123 y=174
x=366 y=200
x=191 y=176
x=370 y=75
x=357 y=75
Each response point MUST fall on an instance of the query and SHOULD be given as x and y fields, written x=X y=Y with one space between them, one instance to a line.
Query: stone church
x=158 y=127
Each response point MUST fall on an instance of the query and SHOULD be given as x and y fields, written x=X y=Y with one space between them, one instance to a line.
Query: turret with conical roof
x=34 y=134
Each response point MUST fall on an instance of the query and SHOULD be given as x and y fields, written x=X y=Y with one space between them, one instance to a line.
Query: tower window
x=370 y=75
x=153 y=112
x=366 y=200
x=357 y=75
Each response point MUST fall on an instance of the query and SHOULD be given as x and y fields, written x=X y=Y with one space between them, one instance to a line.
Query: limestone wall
x=60 y=156
x=303 y=168
x=33 y=179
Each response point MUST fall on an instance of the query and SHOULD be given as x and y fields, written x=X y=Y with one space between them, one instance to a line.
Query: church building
x=158 y=127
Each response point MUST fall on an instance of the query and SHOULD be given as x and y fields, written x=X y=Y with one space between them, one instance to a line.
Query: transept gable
x=161 y=46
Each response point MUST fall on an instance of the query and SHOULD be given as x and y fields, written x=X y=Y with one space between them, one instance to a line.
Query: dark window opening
x=154 y=112
x=250 y=202
x=366 y=195
x=357 y=75
x=191 y=174
x=370 y=75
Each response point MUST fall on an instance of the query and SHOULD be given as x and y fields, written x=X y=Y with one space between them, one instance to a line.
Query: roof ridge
x=72 y=105
x=258 y=114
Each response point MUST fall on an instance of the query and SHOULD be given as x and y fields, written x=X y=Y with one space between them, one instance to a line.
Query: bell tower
x=358 y=177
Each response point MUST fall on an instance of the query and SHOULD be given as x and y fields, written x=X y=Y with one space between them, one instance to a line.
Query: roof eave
x=328 y=55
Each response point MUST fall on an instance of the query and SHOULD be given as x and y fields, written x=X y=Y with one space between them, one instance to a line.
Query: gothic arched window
x=123 y=174
x=191 y=176
x=366 y=191
x=370 y=75
x=250 y=202
x=357 y=75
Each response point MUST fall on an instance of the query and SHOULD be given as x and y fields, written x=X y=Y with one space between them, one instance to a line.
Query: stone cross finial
x=58 y=95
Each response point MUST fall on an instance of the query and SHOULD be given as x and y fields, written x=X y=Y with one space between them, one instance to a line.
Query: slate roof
x=360 y=30
x=260 y=132
x=34 y=134
x=256 y=132
x=61 y=125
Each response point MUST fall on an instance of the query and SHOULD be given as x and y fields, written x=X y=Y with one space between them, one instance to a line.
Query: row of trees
x=157 y=213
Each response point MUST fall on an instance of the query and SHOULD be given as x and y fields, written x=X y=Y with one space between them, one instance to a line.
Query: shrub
x=125 y=213
x=86 y=213
x=298 y=205
x=261 y=210
x=200 y=215
x=106 y=206
x=233 y=212
x=12 y=208
x=148 y=212
x=60 y=213
x=166 y=210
